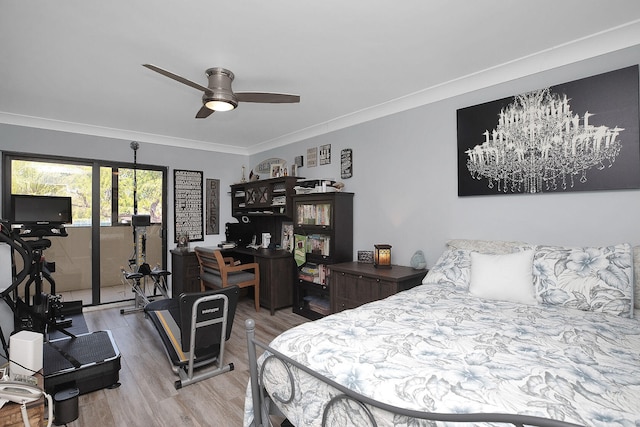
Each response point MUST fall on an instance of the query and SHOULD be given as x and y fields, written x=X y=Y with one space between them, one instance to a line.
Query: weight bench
x=193 y=329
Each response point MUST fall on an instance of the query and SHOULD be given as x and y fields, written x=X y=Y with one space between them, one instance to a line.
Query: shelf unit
x=265 y=197
x=326 y=222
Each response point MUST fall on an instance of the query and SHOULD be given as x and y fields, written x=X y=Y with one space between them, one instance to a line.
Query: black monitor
x=239 y=233
x=26 y=209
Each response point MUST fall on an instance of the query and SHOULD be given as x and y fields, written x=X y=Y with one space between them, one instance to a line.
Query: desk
x=277 y=270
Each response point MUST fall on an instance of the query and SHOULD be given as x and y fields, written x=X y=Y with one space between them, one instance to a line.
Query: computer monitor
x=27 y=209
x=240 y=234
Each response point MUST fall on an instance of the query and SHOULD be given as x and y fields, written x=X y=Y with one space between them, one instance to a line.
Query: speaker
x=25 y=349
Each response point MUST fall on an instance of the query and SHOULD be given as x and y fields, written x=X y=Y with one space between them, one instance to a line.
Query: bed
x=499 y=332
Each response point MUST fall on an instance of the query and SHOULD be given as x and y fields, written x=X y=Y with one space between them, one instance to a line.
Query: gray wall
x=405 y=181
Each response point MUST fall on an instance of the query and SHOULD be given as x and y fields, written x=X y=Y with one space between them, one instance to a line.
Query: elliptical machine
x=41 y=313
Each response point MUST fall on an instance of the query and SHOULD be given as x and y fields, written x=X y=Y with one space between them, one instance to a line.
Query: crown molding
x=84 y=129
x=611 y=40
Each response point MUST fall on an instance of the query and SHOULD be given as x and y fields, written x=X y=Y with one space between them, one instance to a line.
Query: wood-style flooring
x=147 y=396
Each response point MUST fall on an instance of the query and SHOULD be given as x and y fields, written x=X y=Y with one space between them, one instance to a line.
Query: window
x=99 y=242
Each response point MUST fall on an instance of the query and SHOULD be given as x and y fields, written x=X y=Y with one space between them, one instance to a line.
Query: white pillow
x=507 y=277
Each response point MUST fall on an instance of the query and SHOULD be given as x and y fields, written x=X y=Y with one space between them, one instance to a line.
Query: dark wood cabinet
x=185 y=272
x=353 y=284
x=277 y=270
x=265 y=197
x=325 y=220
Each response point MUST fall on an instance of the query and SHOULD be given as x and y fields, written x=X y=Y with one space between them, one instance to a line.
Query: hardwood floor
x=147 y=396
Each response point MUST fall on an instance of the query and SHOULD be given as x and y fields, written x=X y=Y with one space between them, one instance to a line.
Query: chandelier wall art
x=539 y=142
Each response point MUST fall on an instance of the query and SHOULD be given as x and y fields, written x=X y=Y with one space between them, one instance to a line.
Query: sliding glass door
x=104 y=199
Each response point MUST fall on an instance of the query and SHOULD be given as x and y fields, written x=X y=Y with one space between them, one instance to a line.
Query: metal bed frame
x=264 y=405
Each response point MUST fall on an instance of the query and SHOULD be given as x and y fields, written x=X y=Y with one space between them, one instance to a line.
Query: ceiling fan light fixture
x=220 y=105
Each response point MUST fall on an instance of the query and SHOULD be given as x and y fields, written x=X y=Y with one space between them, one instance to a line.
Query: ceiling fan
x=218 y=95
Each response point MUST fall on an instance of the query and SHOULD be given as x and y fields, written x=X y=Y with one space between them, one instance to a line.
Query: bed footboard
x=263 y=405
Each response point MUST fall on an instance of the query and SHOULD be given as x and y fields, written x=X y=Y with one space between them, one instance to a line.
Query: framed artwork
x=312 y=157
x=287 y=241
x=213 y=206
x=187 y=196
x=264 y=167
x=365 y=257
x=325 y=154
x=277 y=169
x=577 y=136
x=346 y=163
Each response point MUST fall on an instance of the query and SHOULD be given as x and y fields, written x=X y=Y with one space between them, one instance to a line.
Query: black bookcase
x=325 y=221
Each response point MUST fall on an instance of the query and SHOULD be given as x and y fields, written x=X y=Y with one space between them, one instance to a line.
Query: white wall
x=405 y=181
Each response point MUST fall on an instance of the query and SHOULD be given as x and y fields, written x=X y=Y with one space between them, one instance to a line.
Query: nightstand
x=355 y=283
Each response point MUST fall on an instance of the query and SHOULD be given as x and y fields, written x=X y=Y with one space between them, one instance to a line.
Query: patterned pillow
x=453 y=267
x=590 y=279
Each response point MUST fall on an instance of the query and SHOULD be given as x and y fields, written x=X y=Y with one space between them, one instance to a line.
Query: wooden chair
x=217 y=271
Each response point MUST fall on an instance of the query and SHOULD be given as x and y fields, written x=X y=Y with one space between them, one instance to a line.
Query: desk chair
x=193 y=329
x=217 y=271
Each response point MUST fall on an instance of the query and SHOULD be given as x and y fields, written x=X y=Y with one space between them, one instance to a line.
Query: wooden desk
x=277 y=270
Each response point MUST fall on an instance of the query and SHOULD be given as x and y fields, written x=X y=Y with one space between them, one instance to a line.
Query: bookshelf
x=323 y=227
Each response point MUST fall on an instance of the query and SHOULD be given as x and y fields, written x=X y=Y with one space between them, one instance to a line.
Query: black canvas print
x=577 y=136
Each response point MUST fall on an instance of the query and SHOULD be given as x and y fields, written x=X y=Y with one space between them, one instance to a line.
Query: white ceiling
x=75 y=65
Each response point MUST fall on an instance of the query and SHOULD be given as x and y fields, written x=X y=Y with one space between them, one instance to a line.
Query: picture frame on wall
x=325 y=154
x=346 y=163
x=582 y=135
x=213 y=206
x=312 y=157
x=187 y=196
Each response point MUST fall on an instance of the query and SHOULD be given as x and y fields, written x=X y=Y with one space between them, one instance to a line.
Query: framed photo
x=365 y=257
x=286 y=242
x=346 y=163
x=277 y=170
x=325 y=154
x=312 y=157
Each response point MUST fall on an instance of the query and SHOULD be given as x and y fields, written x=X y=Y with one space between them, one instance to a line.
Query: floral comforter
x=437 y=348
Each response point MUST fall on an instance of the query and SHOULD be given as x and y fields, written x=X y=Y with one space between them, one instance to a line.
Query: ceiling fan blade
x=203 y=113
x=176 y=77
x=267 y=97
